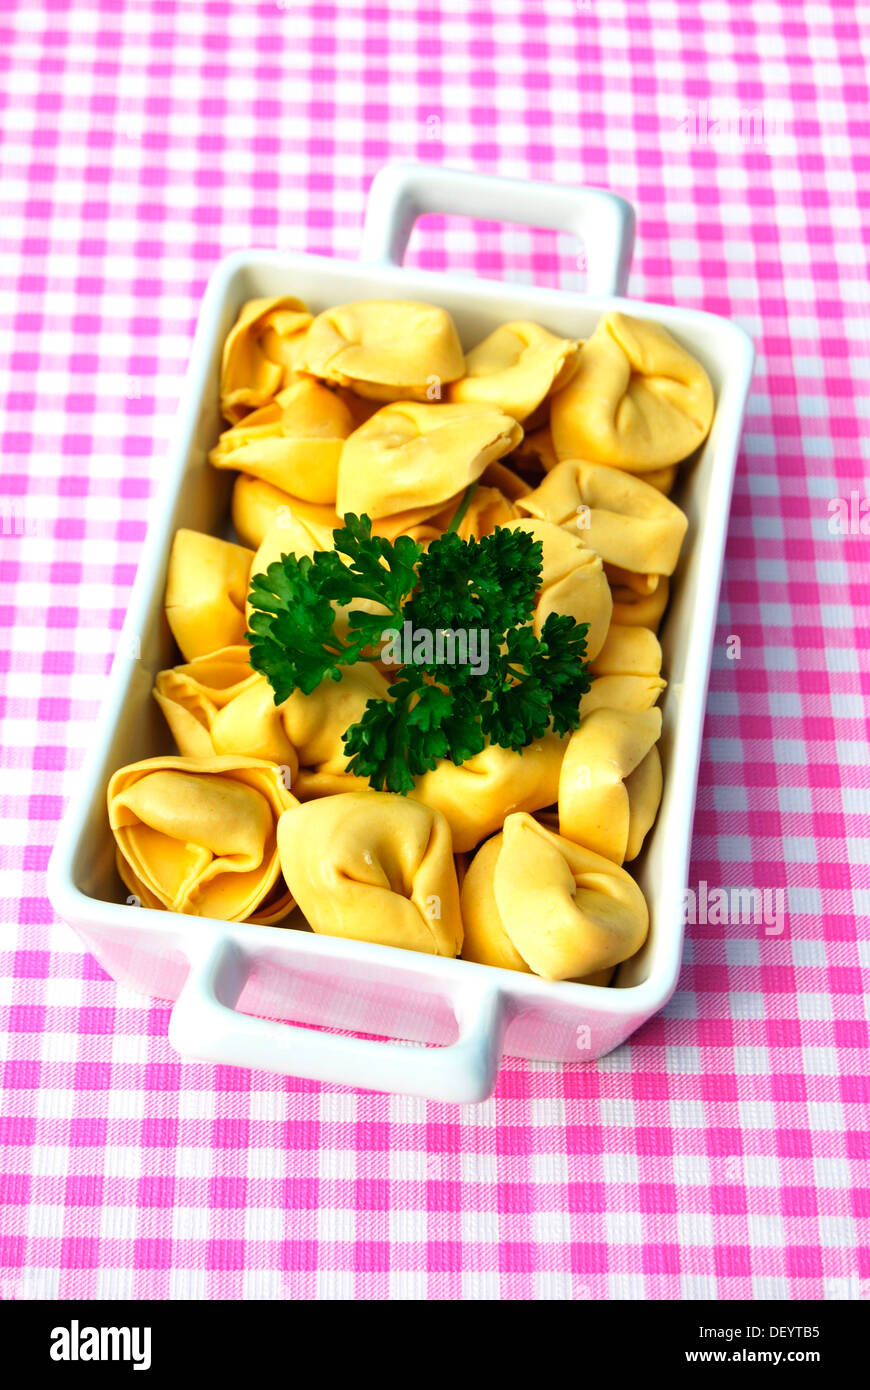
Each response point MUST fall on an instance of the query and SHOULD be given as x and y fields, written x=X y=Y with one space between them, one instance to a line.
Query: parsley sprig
x=433 y=710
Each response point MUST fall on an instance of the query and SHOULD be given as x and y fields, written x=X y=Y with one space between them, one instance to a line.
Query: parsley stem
x=458 y=515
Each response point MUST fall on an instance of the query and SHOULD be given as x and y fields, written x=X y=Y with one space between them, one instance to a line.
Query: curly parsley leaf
x=438 y=707
x=378 y=570
x=466 y=584
x=292 y=632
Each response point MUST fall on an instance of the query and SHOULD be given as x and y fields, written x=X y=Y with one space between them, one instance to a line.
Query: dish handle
x=206 y=1025
x=400 y=193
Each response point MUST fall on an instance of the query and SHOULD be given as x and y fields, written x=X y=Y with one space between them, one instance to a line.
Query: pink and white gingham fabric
x=723 y=1152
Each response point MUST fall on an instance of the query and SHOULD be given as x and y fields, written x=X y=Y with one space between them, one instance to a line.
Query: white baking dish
x=223 y=975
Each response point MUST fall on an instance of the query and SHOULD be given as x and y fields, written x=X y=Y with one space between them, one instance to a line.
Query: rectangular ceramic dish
x=231 y=981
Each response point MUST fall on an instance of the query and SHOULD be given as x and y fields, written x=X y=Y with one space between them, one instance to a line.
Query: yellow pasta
x=294 y=443
x=515 y=368
x=539 y=902
x=374 y=866
x=572 y=582
x=260 y=353
x=486 y=941
x=638 y=400
x=628 y=523
x=206 y=589
x=631 y=609
x=476 y=796
x=200 y=836
x=218 y=705
x=410 y=455
x=386 y=350
x=610 y=783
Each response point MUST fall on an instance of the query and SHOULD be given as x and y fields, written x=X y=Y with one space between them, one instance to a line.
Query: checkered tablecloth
x=722 y=1153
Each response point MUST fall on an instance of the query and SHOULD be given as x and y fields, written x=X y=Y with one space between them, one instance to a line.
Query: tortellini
x=644 y=609
x=421 y=523
x=361 y=409
x=200 y=836
x=374 y=866
x=533 y=900
x=492 y=504
x=385 y=349
x=644 y=584
x=627 y=672
x=627 y=651
x=410 y=455
x=637 y=400
x=294 y=535
x=311 y=783
x=260 y=353
x=486 y=941
x=192 y=696
x=505 y=479
x=257 y=507
x=315 y=723
x=476 y=796
x=610 y=784
x=572 y=582
x=536 y=454
x=662 y=479
x=206 y=589
x=219 y=705
x=628 y=523
x=515 y=368
x=294 y=442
